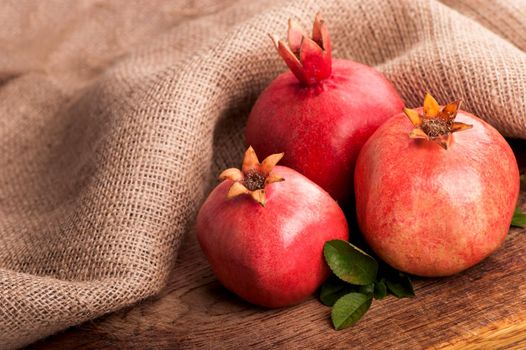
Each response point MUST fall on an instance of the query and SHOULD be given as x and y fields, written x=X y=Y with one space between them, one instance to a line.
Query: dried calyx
x=253 y=176
x=435 y=124
x=308 y=58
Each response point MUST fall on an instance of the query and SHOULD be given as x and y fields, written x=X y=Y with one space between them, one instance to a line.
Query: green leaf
x=333 y=289
x=349 y=309
x=519 y=218
x=350 y=263
x=368 y=289
x=399 y=285
x=523 y=181
x=380 y=289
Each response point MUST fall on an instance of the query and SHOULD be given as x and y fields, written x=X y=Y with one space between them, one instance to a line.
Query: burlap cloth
x=114 y=116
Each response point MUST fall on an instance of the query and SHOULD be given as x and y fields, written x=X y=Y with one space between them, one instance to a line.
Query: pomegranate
x=321 y=112
x=431 y=201
x=263 y=230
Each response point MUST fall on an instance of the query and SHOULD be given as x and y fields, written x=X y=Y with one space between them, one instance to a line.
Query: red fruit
x=264 y=237
x=430 y=202
x=320 y=114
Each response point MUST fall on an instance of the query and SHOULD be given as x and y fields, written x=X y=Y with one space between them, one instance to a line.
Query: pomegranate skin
x=321 y=128
x=273 y=255
x=430 y=211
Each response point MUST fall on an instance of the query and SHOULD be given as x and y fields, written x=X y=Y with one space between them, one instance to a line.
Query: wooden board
x=482 y=308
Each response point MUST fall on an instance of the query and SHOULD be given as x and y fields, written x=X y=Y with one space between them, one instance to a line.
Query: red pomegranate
x=431 y=201
x=263 y=230
x=321 y=112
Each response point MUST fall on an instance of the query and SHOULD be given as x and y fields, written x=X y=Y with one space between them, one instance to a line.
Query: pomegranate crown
x=253 y=176
x=435 y=123
x=308 y=58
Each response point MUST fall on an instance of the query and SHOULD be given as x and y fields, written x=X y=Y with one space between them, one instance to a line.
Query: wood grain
x=482 y=308
x=500 y=335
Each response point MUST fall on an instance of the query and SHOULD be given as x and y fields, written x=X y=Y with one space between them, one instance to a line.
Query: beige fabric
x=116 y=115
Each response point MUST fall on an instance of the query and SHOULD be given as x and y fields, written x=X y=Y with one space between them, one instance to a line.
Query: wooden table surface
x=481 y=308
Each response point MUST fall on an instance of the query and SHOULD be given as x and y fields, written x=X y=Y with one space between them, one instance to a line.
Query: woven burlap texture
x=115 y=116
